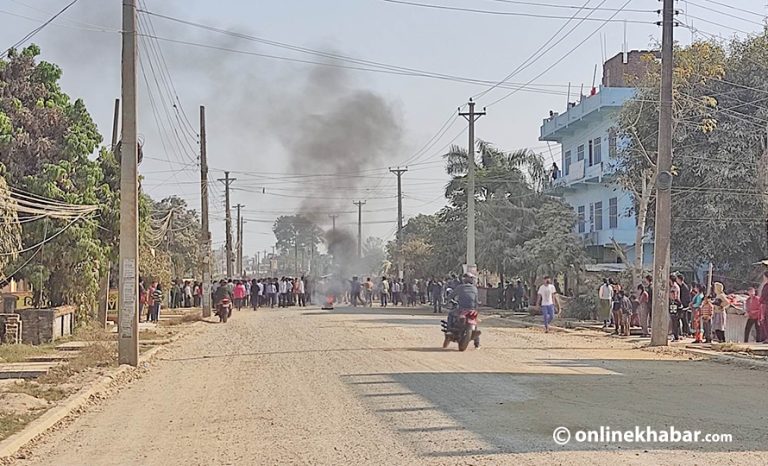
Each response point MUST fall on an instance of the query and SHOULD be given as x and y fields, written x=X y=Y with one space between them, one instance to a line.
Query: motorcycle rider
x=222 y=292
x=465 y=295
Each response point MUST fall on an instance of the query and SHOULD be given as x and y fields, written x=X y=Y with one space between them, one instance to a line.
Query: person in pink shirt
x=764 y=305
x=239 y=294
x=754 y=313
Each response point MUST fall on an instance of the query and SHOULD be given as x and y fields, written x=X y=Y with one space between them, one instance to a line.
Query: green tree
x=182 y=236
x=719 y=148
x=46 y=141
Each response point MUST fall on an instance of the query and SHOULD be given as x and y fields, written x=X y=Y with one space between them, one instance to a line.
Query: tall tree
x=46 y=144
x=719 y=200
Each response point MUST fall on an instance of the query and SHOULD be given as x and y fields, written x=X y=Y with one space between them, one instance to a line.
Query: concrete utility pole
x=661 y=254
x=239 y=241
x=400 y=259
x=128 y=316
x=333 y=218
x=227 y=182
x=241 y=269
x=471 y=117
x=296 y=255
x=205 y=232
x=359 y=205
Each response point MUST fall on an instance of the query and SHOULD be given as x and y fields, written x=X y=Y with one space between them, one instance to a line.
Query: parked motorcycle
x=461 y=328
x=224 y=310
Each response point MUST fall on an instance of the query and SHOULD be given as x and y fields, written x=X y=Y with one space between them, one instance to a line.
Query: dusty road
x=372 y=387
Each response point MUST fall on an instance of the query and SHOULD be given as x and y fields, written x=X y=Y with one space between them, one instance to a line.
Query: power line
x=34 y=32
x=761 y=15
x=511 y=13
x=564 y=56
x=569 y=7
x=527 y=62
x=724 y=14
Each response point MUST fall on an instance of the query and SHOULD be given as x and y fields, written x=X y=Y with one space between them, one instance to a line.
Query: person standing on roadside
x=368 y=290
x=720 y=304
x=157 y=301
x=696 y=302
x=605 y=294
x=764 y=306
x=642 y=310
x=142 y=296
x=437 y=296
x=239 y=294
x=675 y=307
x=753 y=311
x=384 y=292
x=685 y=302
x=547 y=297
x=354 y=291
x=255 y=293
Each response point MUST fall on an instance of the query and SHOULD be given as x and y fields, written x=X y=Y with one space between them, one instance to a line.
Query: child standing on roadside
x=626 y=313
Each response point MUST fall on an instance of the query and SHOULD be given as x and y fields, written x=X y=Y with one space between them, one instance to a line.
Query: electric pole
x=471 y=117
x=359 y=205
x=205 y=232
x=661 y=252
x=227 y=182
x=333 y=218
x=400 y=259
x=128 y=318
x=239 y=242
x=241 y=270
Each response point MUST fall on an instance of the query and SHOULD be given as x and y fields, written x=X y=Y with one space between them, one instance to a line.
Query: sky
x=304 y=131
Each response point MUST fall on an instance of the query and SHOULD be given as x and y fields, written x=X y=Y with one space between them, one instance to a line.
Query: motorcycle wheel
x=466 y=337
x=224 y=317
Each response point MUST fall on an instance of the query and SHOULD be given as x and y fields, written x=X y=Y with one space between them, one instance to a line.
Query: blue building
x=587 y=134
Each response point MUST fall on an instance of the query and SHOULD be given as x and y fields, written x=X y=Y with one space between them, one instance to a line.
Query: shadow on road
x=514 y=412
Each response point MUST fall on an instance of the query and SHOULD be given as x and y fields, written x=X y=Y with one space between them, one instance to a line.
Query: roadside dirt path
x=360 y=386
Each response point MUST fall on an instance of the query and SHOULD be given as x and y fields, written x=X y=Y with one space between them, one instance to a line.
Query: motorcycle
x=461 y=328
x=224 y=310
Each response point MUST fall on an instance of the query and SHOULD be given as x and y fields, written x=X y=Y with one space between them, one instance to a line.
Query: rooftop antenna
x=602 y=46
x=594 y=78
x=625 y=48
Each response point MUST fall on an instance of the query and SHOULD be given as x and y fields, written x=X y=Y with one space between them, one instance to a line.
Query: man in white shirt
x=548 y=300
x=606 y=298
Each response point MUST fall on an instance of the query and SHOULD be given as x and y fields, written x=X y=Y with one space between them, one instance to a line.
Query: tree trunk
x=642 y=219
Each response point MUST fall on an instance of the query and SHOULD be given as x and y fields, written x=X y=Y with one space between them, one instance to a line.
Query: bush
x=581 y=307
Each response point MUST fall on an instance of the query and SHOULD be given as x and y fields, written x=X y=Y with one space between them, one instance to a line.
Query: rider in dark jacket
x=221 y=293
x=466 y=297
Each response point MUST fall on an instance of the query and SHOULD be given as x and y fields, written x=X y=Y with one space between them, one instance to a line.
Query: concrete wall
x=46 y=325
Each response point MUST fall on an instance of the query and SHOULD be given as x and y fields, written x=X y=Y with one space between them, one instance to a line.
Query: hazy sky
x=258 y=108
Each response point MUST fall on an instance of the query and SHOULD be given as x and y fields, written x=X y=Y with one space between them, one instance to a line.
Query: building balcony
x=584 y=112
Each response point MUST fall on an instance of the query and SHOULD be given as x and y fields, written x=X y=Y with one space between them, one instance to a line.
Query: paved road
x=372 y=387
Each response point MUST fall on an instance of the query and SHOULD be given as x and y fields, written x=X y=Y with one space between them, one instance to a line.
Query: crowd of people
x=269 y=292
x=694 y=311
x=399 y=292
x=258 y=292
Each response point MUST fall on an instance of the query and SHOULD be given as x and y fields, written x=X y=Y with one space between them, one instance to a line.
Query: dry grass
x=101 y=352
x=11 y=423
x=38 y=390
x=731 y=348
x=19 y=353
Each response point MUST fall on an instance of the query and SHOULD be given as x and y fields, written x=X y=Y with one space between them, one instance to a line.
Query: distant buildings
x=587 y=134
